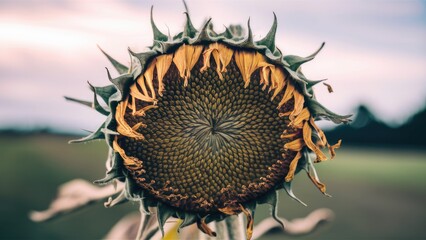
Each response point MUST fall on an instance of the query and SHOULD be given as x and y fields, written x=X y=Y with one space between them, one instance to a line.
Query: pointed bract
x=83 y=102
x=269 y=39
x=296 y=61
x=105 y=92
x=164 y=212
x=203 y=34
x=189 y=30
x=227 y=33
x=190 y=218
x=96 y=104
x=248 y=42
x=322 y=112
x=317 y=51
x=159 y=36
x=272 y=200
x=121 y=69
x=98 y=134
x=122 y=82
x=289 y=190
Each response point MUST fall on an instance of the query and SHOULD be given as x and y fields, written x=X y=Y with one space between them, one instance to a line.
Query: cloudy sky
x=375 y=50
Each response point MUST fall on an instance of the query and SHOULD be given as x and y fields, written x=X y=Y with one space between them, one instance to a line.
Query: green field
x=377 y=193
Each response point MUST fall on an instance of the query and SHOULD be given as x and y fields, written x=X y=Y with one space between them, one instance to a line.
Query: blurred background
x=375 y=58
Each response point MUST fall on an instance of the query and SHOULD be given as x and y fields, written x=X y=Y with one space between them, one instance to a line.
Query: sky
x=375 y=50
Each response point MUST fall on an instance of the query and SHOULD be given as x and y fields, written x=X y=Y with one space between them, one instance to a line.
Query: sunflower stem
x=222 y=230
x=234 y=228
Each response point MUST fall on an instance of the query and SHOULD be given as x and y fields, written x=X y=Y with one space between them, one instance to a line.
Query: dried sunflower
x=206 y=125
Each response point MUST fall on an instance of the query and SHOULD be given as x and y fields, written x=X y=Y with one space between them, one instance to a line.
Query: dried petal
x=122 y=126
x=333 y=148
x=299 y=100
x=287 y=94
x=329 y=88
x=295 y=145
x=185 y=58
x=292 y=168
x=162 y=66
x=250 y=221
x=248 y=62
x=201 y=223
x=307 y=137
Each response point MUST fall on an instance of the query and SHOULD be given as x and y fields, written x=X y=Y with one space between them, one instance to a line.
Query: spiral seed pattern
x=210 y=143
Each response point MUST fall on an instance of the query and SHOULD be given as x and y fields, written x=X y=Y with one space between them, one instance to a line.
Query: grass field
x=377 y=193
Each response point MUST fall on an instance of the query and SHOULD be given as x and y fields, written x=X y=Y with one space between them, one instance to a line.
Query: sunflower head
x=205 y=125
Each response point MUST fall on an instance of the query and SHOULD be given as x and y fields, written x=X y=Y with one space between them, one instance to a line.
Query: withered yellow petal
x=320 y=185
x=250 y=222
x=222 y=56
x=141 y=112
x=301 y=118
x=179 y=60
x=162 y=66
x=131 y=162
x=287 y=94
x=265 y=76
x=299 y=100
x=132 y=105
x=141 y=82
x=225 y=56
x=185 y=58
x=295 y=145
x=122 y=126
x=292 y=167
x=138 y=125
x=134 y=92
x=247 y=62
x=278 y=80
x=321 y=134
x=284 y=114
x=149 y=78
x=231 y=209
x=212 y=50
x=289 y=135
x=332 y=149
x=307 y=137
x=201 y=223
